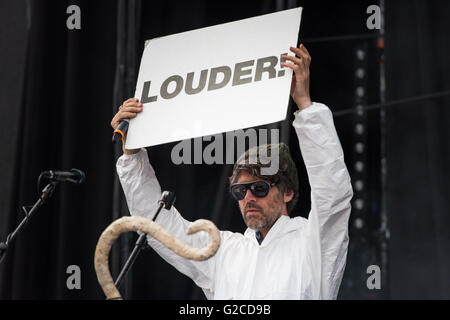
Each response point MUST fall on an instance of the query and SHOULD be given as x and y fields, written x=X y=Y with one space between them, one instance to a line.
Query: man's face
x=261 y=213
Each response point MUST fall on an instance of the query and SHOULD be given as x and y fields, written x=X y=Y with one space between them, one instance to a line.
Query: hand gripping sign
x=216 y=79
x=135 y=223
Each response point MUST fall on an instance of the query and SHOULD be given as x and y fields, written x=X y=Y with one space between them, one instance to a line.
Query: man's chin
x=254 y=225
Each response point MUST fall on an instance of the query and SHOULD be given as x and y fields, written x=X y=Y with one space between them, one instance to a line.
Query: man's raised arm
x=326 y=238
x=142 y=192
x=326 y=235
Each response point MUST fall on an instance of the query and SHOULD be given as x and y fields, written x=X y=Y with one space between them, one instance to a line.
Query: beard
x=263 y=219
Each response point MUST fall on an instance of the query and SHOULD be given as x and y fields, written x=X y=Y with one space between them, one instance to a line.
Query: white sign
x=215 y=79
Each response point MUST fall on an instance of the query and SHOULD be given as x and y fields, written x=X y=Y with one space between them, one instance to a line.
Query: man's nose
x=249 y=196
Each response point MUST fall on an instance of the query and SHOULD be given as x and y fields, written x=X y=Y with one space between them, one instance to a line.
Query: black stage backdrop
x=418 y=149
x=56 y=116
x=60 y=89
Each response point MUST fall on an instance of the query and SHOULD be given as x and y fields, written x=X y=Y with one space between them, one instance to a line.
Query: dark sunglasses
x=259 y=189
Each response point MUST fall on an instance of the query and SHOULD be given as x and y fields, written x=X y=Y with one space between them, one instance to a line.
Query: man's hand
x=129 y=109
x=300 y=79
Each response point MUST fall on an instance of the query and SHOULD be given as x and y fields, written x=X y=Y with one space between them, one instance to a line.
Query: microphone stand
x=46 y=194
x=167 y=200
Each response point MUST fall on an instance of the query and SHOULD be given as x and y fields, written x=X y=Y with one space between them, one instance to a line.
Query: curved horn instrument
x=135 y=223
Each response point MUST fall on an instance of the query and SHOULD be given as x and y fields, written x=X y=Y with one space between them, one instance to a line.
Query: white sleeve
x=142 y=192
x=331 y=192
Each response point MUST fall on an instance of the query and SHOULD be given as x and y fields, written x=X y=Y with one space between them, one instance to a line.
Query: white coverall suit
x=298 y=259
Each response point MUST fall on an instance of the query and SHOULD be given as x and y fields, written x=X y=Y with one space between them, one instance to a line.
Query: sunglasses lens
x=260 y=189
x=238 y=191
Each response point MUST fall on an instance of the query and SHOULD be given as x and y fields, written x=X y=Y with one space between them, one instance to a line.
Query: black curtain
x=60 y=89
x=56 y=116
x=418 y=149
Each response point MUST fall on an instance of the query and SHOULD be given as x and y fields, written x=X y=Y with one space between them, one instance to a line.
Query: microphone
x=121 y=129
x=167 y=200
x=74 y=175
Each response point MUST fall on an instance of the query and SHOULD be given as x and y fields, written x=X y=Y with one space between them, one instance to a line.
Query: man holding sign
x=277 y=257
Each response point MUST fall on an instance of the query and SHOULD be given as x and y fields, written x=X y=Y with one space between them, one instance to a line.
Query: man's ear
x=288 y=196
